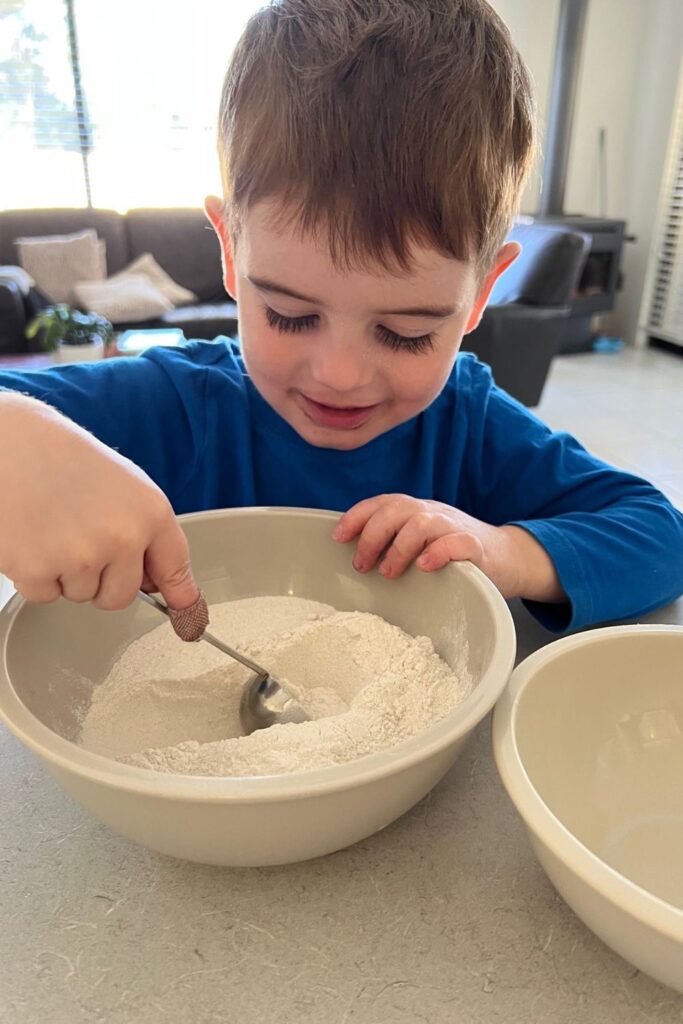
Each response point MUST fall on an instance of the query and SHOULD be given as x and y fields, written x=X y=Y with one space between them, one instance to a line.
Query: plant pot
x=79 y=353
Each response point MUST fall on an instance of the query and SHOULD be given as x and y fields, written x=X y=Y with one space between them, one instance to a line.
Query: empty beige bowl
x=50 y=657
x=588 y=740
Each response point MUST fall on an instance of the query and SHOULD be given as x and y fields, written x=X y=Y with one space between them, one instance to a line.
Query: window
x=145 y=131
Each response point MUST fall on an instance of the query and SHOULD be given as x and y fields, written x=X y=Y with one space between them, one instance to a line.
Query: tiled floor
x=627 y=408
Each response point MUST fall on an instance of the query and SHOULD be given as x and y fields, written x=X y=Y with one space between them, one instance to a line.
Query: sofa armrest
x=547 y=270
x=519 y=342
x=508 y=315
x=12 y=317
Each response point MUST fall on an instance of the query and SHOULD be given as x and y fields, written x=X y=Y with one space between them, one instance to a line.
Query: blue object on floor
x=607 y=344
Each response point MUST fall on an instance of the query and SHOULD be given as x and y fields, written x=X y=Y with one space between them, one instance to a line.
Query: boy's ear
x=213 y=208
x=506 y=256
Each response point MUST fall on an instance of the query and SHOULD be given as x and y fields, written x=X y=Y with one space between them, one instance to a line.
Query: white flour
x=174 y=707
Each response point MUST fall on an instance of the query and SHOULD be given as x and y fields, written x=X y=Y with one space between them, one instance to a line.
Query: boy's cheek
x=264 y=353
x=422 y=378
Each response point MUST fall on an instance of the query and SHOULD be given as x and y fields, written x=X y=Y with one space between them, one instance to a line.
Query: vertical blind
x=663 y=302
x=112 y=103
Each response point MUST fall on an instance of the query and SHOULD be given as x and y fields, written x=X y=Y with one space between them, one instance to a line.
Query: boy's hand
x=402 y=529
x=79 y=520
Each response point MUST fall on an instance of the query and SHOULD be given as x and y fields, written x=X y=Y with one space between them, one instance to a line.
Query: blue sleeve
x=615 y=540
x=148 y=408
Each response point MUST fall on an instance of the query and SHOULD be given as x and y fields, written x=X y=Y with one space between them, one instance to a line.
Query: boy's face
x=344 y=356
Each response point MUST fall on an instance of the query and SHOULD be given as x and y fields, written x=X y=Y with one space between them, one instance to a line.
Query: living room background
x=150 y=82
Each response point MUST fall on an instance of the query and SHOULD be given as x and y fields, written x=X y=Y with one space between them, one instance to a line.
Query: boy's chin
x=341 y=440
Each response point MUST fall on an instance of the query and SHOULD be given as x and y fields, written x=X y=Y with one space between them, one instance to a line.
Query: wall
x=627 y=84
x=650 y=135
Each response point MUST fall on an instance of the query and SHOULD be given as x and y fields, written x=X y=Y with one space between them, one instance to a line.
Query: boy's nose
x=340 y=365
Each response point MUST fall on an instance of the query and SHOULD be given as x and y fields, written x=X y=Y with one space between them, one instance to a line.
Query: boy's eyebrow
x=438 y=312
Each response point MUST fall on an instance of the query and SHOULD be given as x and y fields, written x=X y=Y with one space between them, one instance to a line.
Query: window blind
x=112 y=103
x=663 y=305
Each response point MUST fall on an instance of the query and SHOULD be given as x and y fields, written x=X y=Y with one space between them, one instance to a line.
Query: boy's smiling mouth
x=339 y=417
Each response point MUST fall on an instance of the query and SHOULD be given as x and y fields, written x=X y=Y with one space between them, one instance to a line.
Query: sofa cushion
x=108 y=224
x=184 y=244
x=57 y=262
x=121 y=300
x=149 y=268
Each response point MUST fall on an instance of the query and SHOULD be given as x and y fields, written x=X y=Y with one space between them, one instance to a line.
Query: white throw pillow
x=22 y=280
x=57 y=262
x=131 y=297
x=147 y=265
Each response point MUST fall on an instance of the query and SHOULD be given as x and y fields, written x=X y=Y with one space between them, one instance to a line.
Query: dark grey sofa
x=527 y=316
x=181 y=240
x=519 y=334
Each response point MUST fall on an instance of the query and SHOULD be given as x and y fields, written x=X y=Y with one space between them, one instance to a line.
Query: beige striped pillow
x=57 y=262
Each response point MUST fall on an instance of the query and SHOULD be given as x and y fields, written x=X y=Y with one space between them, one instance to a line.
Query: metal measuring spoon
x=264 y=700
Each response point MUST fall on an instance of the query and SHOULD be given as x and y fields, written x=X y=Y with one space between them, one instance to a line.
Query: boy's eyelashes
x=291 y=324
x=399 y=342
x=294 y=324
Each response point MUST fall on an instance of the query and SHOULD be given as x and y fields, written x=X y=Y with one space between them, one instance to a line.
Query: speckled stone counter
x=443 y=917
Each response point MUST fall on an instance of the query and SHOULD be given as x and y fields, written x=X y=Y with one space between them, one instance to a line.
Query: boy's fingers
x=453 y=547
x=377 y=533
x=167 y=563
x=81 y=586
x=147 y=584
x=408 y=543
x=39 y=591
x=119 y=585
x=353 y=521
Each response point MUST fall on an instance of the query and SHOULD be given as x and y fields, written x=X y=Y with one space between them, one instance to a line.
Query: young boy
x=372 y=158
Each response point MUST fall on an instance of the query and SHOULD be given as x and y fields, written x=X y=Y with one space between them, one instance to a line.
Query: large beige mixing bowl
x=588 y=739
x=50 y=657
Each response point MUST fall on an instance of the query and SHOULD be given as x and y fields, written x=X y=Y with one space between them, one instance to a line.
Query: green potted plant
x=71 y=336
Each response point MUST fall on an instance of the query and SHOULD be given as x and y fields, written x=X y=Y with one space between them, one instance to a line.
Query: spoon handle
x=247 y=662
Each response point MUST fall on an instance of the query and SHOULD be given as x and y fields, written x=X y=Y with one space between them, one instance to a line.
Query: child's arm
x=142 y=407
x=78 y=518
x=541 y=516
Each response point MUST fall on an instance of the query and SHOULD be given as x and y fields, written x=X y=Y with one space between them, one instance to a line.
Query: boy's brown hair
x=383 y=121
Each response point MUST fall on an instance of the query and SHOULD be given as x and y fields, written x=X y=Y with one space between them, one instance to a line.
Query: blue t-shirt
x=193 y=420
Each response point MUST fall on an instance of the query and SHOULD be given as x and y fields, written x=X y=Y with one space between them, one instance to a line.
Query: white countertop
x=445 y=916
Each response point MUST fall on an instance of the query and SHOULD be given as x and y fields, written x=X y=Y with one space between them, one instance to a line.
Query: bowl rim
x=66 y=756
x=631 y=898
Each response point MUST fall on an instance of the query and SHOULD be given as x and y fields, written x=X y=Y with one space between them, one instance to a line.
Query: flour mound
x=174 y=707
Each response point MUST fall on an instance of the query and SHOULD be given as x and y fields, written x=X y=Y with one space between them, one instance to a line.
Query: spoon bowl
x=265 y=701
